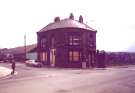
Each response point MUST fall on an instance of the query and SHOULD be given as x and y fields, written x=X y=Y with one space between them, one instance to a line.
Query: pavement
x=4 y=72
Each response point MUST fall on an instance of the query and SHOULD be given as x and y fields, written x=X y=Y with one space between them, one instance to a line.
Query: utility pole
x=25 y=47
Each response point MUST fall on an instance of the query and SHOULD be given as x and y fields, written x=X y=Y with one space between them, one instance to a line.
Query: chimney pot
x=81 y=19
x=71 y=16
x=56 y=19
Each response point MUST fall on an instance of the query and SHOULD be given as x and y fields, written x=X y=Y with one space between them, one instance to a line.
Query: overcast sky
x=114 y=20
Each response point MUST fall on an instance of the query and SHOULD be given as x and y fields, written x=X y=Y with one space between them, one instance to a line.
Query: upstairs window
x=52 y=42
x=43 y=42
x=74 y=40
x=91 y=41
x=91 y=36
x=92 y=44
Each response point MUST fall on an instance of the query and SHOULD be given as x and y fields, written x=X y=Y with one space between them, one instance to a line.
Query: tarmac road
x=53 y=80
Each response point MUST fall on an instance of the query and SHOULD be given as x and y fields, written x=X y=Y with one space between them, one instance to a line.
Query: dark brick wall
x=62 y=47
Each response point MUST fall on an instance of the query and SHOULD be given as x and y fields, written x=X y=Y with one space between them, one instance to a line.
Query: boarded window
x=43 y=56
x=70 y=56
x=74 y=56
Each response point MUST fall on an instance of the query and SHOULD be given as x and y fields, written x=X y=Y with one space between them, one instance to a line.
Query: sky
x=114 y=20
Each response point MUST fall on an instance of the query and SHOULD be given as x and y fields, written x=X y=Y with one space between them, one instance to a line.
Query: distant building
x=19 y=53
x=67 y=43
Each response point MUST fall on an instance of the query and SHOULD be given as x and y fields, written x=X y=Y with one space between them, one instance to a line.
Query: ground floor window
x=74 y=56
x=43 y=56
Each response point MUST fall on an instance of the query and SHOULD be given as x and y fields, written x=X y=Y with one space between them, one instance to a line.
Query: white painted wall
x=31 y=56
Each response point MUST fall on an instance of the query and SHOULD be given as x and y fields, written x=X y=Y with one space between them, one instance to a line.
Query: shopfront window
x=74 y=56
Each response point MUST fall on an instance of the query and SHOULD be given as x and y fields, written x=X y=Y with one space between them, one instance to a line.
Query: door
x=91 y=59
x=52 y=57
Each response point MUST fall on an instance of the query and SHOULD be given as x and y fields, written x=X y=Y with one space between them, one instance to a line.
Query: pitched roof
x=21 y=49
x=66 y=23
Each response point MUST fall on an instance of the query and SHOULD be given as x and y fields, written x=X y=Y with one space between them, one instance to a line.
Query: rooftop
x=19 y=50
x=66 y=23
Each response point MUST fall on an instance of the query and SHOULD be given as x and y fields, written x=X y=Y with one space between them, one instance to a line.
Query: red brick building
x=67 y=43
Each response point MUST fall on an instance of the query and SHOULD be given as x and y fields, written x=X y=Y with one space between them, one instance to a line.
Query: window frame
x=74 y=56
x=43 y=42
x=74 y=40
x=44 y=56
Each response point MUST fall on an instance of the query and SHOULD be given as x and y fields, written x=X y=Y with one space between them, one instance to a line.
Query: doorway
x=91 y=59
x=52 y=57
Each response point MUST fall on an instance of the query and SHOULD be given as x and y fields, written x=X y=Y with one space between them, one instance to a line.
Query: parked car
x=33 y=63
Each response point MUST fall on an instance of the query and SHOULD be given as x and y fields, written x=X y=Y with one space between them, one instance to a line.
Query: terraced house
x=67 y=43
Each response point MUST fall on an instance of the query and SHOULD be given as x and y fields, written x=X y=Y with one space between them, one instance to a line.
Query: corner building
x=67 y=43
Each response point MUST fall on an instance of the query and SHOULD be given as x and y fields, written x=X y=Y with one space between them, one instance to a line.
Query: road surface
x=55 y=80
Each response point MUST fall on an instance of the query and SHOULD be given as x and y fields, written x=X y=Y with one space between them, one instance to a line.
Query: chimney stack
x=81 y=19
x=71 y=16
x=56 y=19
